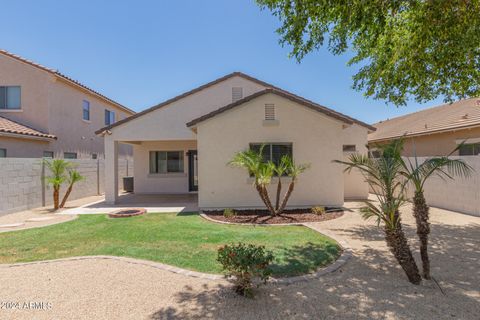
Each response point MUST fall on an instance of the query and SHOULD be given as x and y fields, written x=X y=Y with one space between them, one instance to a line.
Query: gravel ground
x=369 y=286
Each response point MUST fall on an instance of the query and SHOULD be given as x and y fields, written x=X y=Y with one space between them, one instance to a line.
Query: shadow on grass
x=187 y=214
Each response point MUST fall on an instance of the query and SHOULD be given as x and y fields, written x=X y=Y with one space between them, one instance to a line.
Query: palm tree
x=383 y=176
x=418 y=174
x=263 y=172
x=58 y=169
x=73 y=177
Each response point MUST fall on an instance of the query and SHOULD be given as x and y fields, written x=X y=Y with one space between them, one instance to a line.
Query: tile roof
x=66 y=78
x=13 y=127
x=284 y=94
x=447 y=117
x=226 y=77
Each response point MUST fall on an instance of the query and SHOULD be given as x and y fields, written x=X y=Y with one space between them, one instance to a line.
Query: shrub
x=318 y=210
x=244 y=263
x=228 y=213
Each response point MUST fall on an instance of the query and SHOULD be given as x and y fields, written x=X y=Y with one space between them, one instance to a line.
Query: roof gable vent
x=269 y=111
x=237 y=93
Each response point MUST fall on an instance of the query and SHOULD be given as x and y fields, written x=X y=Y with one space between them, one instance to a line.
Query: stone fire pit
x=130 y=212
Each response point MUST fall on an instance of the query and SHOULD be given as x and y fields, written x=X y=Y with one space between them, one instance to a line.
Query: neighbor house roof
x=286 y=95
x=10 y=127
x=226 y=77
x=448 y=117
x=69 y=80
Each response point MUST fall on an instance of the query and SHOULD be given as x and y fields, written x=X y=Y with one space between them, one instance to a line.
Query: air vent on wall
x=269 y=111
x=237 y=93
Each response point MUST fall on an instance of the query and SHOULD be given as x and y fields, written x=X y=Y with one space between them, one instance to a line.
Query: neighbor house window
x=86 y=110
x=470 y=149
x=166 y=161
x=48 y=154
x=94 y=156
x=349 y=148
x=273 y=151
x=10 y=97
x=3 y=153
x=70 y=155
x=109 y=117
x=237 y=93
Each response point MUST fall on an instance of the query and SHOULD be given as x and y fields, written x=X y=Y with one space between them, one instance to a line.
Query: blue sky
x=140 y=53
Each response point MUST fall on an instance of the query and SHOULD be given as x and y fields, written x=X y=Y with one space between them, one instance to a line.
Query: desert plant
x=263 y=172
x=245 y=263
x=73 y=177
x=59 y=174
x=418 y=174
x=383 y=175
x=318 y=210
x=228 y=213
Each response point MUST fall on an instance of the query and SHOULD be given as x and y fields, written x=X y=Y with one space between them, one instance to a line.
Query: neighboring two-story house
x=44 y=113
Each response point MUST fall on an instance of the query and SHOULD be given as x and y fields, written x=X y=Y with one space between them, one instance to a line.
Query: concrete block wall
x=22 y=183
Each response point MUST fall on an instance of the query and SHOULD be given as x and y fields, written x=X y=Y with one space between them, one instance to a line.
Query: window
x=10 y=97
x=470 y=149
x=237 y=93
x=3 y=153
x=86 y=110
x=166 y=161
x=375 y=154
x=109 y=117
x=273 y=151
x=48 y=154
x=349 y=148
x=269 y=111
x=94 y=156
x=70 y=155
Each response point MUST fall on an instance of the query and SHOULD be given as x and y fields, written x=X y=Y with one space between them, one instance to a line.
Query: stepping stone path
x=12 y=225
x=39 y=219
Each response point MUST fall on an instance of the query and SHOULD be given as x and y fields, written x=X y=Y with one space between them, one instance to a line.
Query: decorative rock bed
x=125 y=213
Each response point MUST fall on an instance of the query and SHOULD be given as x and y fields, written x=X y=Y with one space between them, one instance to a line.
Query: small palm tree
x=73 y=177
x=384 y=176
x=59 y=170
x=263 y=172
x=418 y=174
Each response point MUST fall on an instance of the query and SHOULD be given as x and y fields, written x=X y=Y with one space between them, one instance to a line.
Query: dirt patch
x=264 y=217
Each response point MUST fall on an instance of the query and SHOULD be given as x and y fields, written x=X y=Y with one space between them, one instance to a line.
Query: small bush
x=318 y=210
x=245 y=263
x=228 y=213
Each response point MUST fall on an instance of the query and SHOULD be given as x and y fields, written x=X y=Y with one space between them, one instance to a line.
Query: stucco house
x=183 y=145
x=44 y=113
x=434 y=131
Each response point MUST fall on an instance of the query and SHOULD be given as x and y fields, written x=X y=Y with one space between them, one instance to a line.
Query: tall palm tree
x=58 y=169
x=418 y=174
x=73 y=177
x=384 y=177
x=263 y=172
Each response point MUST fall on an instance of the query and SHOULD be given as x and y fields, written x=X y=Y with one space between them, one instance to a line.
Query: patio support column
x=111 y=170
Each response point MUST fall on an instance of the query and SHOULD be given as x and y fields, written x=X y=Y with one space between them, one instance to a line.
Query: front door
x=192 y=170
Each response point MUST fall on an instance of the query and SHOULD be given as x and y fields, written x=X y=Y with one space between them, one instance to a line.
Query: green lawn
x=183 y=240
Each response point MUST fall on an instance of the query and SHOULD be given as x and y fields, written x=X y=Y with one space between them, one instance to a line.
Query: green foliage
x=245 y=263
x=404 y=48
x=228 y=213
x=318 y=210
x=59 y=169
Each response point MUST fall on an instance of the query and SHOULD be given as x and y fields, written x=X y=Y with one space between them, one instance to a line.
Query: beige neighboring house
x=435 y=131
x=184 y=144
x=43 y=113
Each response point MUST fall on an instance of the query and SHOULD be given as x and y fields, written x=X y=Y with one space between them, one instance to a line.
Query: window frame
x=270 y=145
x=346 y=148
x=4 y=150
x=4 y=103
x=86 y=110
x=109 y=117
x=47 y=157
x=474 y=149
x=70 y=153
x=156 y=167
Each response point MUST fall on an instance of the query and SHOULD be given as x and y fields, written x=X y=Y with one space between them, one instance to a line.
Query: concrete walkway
x=369 y=286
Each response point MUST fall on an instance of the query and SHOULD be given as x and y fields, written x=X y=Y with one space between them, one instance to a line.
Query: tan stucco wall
x=438 y=144
x=355 y=185
x=52 y=105
x=316 y=139
x=23 y=148
x=168 y=123
x=160 y=183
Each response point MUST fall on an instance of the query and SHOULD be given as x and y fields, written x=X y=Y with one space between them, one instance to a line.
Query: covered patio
x=151 y=202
